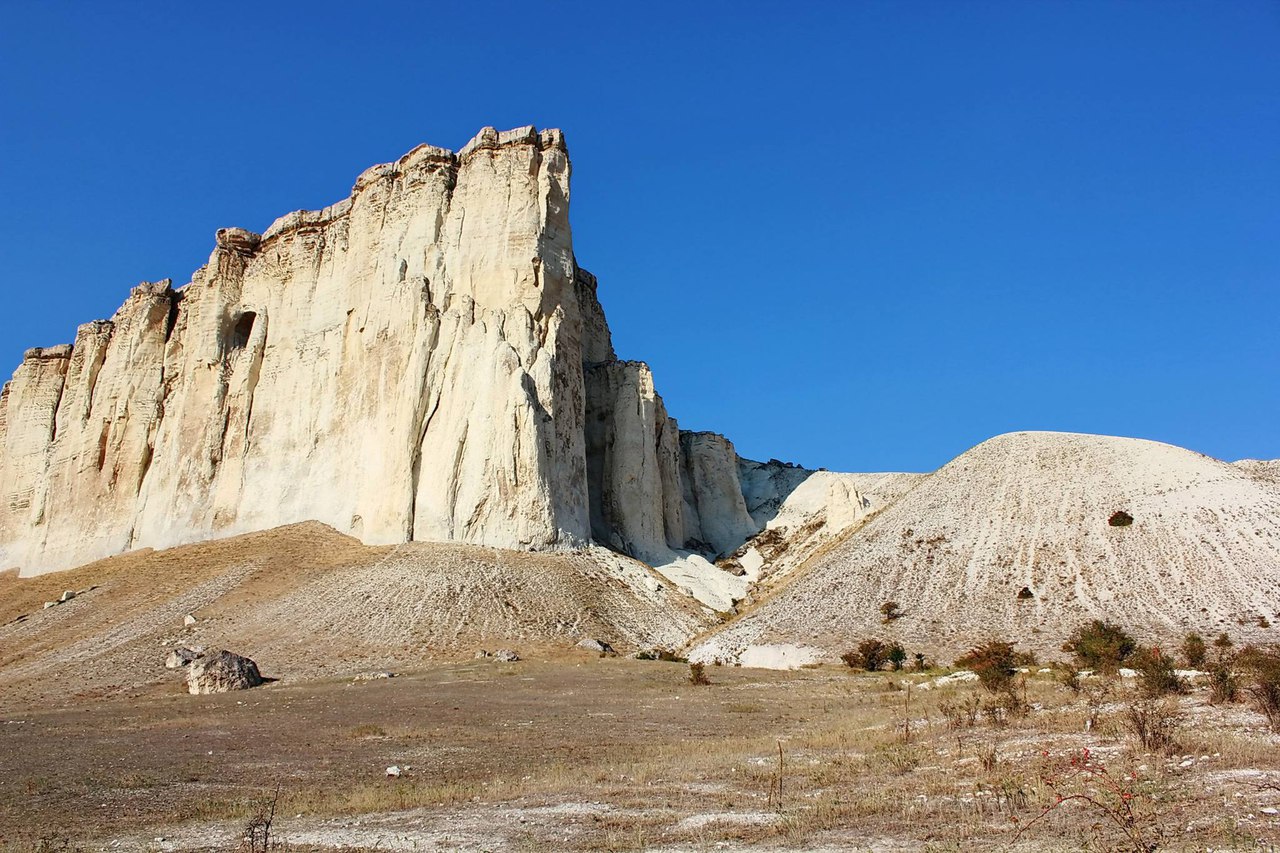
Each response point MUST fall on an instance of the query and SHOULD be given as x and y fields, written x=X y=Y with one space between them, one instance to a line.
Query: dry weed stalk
x=1154 y=724
x=775 y=785
x=256 y=837
x=1118 y=801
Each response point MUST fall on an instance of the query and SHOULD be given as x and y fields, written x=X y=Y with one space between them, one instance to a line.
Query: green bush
x=1156 y=674
x=1101 y=646
x=896 y=655
x=1223 y=686
x=1194 y=650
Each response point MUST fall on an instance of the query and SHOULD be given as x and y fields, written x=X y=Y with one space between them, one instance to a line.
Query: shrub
x=1154 y=724
x=1194 y=650
x=921 y=665
x=1156 y=673
x=698 y=675
x=896 y=655
x=961 y=713
x=995 y=663
x=1068 y=676
x=1223 y=686
x=870 y=655
x=1101 y=646
x=1264 y=689
x=1120 y=518
x=1000 y=708
x=891 y=610
x=1025 y=593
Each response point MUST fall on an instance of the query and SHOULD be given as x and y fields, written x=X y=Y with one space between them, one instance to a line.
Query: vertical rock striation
x=423 y=360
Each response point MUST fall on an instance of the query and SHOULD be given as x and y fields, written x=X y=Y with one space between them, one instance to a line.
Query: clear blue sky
x=864 y=236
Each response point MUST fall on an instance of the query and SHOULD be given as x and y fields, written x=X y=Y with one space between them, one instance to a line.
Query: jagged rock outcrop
x=713 y=500
x=801 y=510
x=423 y=360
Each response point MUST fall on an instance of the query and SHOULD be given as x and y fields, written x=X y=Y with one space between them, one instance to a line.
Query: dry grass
x=615 y=754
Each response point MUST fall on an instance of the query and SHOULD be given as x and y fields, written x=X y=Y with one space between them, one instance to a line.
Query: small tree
x=1101 y=646
x=891 y=610
x=1194 y=650
x=896 y=655
x=921 y=666
x=870 y=655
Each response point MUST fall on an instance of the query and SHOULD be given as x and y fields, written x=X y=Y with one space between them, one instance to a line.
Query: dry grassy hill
x=305 y=601
x=1034 y=511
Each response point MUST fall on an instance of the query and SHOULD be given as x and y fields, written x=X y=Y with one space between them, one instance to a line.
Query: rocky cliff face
x=421 y=361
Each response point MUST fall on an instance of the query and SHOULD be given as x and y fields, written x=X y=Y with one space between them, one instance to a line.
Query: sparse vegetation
x=256 y=836
x=855 y=770
x=891 y=610
x=1101 y=646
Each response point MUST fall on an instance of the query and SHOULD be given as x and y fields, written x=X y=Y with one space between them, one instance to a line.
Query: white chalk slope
x=1032 y=510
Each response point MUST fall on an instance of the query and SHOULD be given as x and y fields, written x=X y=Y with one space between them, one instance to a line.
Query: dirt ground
x=588 y=753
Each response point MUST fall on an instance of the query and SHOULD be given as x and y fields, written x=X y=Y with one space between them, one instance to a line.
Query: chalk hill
x=1028 y=534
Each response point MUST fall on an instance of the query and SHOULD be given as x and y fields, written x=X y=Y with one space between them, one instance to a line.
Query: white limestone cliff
x=423 y=360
